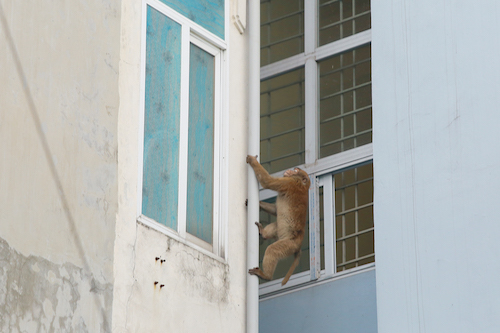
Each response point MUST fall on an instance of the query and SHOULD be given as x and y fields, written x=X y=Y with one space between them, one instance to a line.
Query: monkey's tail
x=292 y=268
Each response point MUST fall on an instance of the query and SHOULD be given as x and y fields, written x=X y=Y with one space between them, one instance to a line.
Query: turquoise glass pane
x=200 y=144
x=161 y=122
x=207 y=13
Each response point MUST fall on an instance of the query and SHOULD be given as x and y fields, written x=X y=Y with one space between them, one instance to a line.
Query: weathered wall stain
x=37 y=295
x=205 y=277
x=201 y=276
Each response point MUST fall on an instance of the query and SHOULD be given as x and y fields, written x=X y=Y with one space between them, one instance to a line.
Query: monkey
x=291 y=216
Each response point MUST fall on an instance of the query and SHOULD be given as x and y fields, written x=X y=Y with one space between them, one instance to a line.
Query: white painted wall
x=72 y=255
x=200 y=294
x=436 y=83
x=58 y=167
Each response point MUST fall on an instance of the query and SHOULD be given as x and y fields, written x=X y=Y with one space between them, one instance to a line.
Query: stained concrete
x=37 y=295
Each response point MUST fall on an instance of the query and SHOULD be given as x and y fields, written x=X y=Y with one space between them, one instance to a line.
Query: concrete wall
x=58 y=164
x=436 y=78
x=200 y=294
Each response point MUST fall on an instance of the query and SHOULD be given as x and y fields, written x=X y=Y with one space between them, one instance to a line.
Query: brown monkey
x=291 y=215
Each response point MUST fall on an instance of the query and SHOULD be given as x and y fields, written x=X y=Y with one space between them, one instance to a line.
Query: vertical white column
x=311 y=80
x=253 y=149
x=184 y=126
x=311 y=124
x=314 y=230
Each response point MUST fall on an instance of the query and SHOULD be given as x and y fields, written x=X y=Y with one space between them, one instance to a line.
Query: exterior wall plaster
x=68 y=54
x=72 y=256
x=58 y=163
x=37 y=295
x=193 y=291
x=436 y=163
x=200 y=294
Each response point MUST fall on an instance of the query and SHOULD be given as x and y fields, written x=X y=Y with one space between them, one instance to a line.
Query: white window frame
x=320 y=170
x=192 y=33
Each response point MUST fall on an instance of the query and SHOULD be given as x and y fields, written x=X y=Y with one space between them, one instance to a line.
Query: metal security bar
x=345 y=101
x=282 y=29
x=282 y=121
x=342 y=18
x=354 y=217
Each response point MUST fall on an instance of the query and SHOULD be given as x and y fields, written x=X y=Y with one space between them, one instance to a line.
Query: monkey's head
x=299 y=174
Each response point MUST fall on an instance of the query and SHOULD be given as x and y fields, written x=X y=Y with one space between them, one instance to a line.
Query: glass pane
x=354 y=217
x=339 y=251
x=200 y=144
x=342 y=18
x=282 y=121
x=366 y=244
x=283 y=265
x=161 y=119
x=345 y=115
x=365 y=218
x=207 y=13
x=349 y=223
x=282 y=29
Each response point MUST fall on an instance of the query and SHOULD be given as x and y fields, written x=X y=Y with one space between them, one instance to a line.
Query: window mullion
x=342 y=193
x=141 y=121
x=310 y=25
x=311 y=114
x=223 y=126
x=183 y=139
x=311 y=81
x=282 y=66
x=329 y=223
x=343 y=45
x=314 y=230
x=216 y=186
x=356 y=204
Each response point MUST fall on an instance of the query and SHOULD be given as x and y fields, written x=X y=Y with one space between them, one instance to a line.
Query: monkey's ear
x=304 y=181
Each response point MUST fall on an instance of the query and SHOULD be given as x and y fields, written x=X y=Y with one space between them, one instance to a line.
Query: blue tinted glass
x=207 y=13
x=161 y=123
x=200 y=144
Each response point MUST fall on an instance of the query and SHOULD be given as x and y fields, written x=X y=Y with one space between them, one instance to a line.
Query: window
x=316 y=114
x=347 y=200
x=182 y=123
x=282 y=120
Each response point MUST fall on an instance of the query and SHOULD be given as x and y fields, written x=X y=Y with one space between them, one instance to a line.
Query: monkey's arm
x=268 y=207
x=264 y=178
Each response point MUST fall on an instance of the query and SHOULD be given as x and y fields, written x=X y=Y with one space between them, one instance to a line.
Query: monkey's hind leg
x=274 y=252
x=292 y=268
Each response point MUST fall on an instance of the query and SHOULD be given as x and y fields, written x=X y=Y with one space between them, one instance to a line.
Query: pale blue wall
x=436 y=137
x=346 y=305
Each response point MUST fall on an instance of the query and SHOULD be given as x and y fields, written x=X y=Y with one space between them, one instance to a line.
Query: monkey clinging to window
x=291 y=216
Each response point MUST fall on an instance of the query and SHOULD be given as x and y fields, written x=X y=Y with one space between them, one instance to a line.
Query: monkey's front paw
x=254 y=271
x=251 y=159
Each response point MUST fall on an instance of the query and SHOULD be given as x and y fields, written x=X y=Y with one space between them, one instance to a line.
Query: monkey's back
x=291 y=214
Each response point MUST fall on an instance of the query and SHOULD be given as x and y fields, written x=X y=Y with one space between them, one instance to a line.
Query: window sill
x=147 y=222
x=302 y=281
